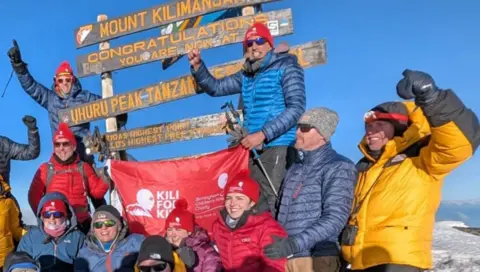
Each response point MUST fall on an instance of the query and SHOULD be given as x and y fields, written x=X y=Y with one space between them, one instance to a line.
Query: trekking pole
x=256 y=156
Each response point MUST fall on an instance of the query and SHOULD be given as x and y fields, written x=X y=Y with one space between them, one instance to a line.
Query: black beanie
x=108 y=212
x=156 y=248
x=394 y=107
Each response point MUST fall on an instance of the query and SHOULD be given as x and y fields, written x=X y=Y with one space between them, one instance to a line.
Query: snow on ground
x=455 y=250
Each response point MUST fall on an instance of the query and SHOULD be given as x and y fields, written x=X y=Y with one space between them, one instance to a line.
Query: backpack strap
x=81 y=169
x=50 y=173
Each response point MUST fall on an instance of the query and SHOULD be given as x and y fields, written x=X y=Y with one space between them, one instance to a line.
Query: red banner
x=148 y=190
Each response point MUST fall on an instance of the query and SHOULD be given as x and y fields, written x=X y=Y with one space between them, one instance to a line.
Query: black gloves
x=15 y=56
x=418 y=85
x=281 y=248
x=30 y=122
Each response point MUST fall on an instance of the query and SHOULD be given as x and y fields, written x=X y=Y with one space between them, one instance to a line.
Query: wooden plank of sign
x=215 y=34
x=153 y=17
x=309 y=54
x=182 y=130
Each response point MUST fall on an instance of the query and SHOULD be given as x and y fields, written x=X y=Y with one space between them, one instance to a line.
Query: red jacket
x=67 y=180
x=241 y=249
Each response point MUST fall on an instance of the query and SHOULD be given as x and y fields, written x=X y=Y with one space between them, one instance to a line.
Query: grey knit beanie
x=324 y=120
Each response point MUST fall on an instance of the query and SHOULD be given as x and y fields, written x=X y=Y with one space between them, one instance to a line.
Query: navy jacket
x=317 y=196
x=53 y=256
x=51 y=101
x=273 y=97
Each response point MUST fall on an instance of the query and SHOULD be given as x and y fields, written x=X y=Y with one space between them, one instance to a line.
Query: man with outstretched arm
x=66 y=92
x=11 y=150
x=409 y=148
x=272 y=88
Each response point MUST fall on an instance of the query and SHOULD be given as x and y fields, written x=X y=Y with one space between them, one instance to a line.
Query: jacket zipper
x=230 y=249
x=109 y=259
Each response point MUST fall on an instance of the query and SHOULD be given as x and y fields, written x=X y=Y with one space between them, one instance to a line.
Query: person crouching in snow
x=20 y=262
x=10 y=231
x=157 y=255
x=184 y=234
x=109 y=245
x=56 y=240
x=240 y=233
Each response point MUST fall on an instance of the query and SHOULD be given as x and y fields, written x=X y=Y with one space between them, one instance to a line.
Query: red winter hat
x=258 y=29
x=243 y=184
x=180 y=217
x=64 y=132
x=64 y=69
x=55 y=205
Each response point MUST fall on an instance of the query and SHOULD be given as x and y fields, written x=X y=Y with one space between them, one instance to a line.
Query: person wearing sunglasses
x=56 y=240
x=272 y=89
x=191 y=241
x=157 y=255
x=66 y=91
x=241 y=231
x=316 y=197
x=11 y=230
x=109 y=245
x=66 y=173
x=408 y=149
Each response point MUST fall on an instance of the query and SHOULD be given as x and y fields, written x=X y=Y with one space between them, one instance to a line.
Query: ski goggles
x=106 y=223
x=55 y=214
x=376 y=115
x=258 y=41
x=154 y=268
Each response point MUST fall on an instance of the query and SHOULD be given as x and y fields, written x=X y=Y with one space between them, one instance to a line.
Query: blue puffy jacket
x=51 y=101
x=53 y=255
x=317 y=196
x=273 y=97
x=121 y=258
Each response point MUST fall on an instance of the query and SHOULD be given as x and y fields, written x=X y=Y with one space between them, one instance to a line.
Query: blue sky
x=369 y=43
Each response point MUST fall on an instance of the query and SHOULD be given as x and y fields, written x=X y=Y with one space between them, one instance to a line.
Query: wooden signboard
x=309 y=54
x=182 y=130
x=216 y=34
x=197 y=21
x=153 y=17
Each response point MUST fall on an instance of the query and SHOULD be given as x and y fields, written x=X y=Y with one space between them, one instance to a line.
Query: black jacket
x=10 y=150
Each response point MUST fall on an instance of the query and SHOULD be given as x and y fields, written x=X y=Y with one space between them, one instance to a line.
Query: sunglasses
x=55 y=214
x=258 y=41
x=106 y=223
x=155 y=268
x=67 y=80
x=64 y=144
x=304 y=128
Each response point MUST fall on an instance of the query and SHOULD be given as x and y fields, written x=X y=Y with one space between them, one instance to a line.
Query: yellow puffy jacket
x=10 y=229
x=395 y=220
x=179 y=265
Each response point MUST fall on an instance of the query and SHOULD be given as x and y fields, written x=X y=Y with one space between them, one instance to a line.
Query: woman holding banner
x=184 y=234
x=241 y=233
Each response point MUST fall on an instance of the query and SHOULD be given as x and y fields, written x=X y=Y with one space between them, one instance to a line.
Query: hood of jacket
x=418 y=130
x=4 y=188
x=51 y=196
x=16 y=258
x=93 y=243
x=76 y=89
x=198 y=237
x=275 y=55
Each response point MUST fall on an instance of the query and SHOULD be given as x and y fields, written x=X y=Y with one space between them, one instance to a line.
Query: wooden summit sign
x=153 y=17
x=182 y=130
x=309 y=54
x=219 y=33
